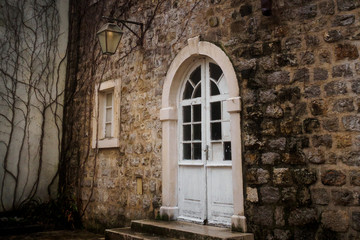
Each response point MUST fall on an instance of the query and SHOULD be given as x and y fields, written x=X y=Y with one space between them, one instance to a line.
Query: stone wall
x=299 y=75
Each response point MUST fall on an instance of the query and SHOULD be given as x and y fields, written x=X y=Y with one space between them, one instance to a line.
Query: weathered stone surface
x=355 y=177
x=307 y=12
x=293 y=43
x=325 y=56
x=343 y=141
x=315 y=155
x=252 y=194
x=286 y=60
x=343 y=20
x=347 y=5
x=277 y=144
x=343 y=51
x=351 y=123
x=335 y=88
x=327 y=7
x=344 y=105
x=251 y=158
x=357 y=68
x=257 y=176
x=302 y=216
x=312 y=41
x=331 y=125
x=345 y=197
x=312 y=91
x=263 y=215
x=288 y=195
x=280 y=234
x=274 y=111
x=278 y=78
x=333 y=178
x=322 y=140
x=269 y=194
x=352 y=159
x=245 y=10
x=270 y=158
x=355 y=220
x=342 y=71
x=279 y=216
x=267 y=96
x=307 y=58
x=302 y=75
x=320 y=196
x=282 y=177
x=311 y=125
x=318 y=107
x=333 y=36
x=268 y=127
x=320 y=74
x=355 y=86
x=213 y=21
x=337 y=221
x=305 y=176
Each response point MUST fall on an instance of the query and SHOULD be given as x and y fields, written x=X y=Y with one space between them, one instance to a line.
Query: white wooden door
x=205 y=174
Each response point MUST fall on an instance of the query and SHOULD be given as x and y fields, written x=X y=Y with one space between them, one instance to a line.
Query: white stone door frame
x=169 y=116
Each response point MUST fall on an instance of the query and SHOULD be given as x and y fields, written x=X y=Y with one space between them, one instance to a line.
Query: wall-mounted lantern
x=110 y=34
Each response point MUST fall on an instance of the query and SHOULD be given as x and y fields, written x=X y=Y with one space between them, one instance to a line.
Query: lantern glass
x=109 y=37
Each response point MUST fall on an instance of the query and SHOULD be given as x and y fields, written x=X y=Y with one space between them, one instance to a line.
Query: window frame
x=99 y=114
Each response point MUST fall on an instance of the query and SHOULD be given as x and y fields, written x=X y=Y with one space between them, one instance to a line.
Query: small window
x=106 y=120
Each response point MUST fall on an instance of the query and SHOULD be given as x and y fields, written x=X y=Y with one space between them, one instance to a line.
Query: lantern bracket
x=125 y=22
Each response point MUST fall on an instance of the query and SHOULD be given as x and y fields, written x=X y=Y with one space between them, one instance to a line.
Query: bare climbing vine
x=31 y=93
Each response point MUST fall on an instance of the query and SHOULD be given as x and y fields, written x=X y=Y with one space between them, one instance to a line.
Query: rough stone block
x=278 y=78
x=335 y=88
x=311 y=125
x=355 y=177
x=343 y=20
x=305 y=176
x=279 y=216
x=331 y=124
x=263 y=215
x=278 y=144
x=268 y=127
x=344 y=105
x=288 y=195
x=343 y=51
x=307 y=58
x=280 y=234
x=320 y=196
x=266 y=96
x=352 y=159
x=307 y=12
x=345 y=197
x=302 y=75
x=347 y=5
x=351 y=123
x=343 y=141
x=312 y=91
x=312 y=41
x=270 y=158
x=286 y=59
x=320 y=74
x=302 y=216
x=333 y=36
x=322 y=140
x=269 y=194
x=282 y=177
x=293 y=43
x=355 y=86
x=274 y=111
x=355 y=220
x=257 y=176
x=327 y=7
x=333 y=178
x=251 y=158
x=252 y=194
x=315 y=155
x=325 y=56
x=337 y=221
x=245 y=10
x=342 y=71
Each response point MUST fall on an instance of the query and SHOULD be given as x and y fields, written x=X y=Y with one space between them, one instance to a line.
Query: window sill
x=106 y=143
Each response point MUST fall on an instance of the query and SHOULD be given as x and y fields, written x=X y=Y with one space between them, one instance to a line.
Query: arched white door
x=205 y=189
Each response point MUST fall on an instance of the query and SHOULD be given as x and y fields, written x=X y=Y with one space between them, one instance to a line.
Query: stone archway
x=169 y=117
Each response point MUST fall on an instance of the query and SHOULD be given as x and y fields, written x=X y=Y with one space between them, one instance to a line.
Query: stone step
x=129 y=234
x=161 y=230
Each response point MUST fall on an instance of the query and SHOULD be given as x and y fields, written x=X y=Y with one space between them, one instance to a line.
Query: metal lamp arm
x=124 y=22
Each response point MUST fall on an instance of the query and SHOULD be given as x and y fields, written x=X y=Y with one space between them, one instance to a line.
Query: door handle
x=207 y=152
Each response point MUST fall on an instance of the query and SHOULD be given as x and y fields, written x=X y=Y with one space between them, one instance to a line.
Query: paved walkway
x=56 y=235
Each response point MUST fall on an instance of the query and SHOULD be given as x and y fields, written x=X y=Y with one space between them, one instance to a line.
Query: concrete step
x=164 y=230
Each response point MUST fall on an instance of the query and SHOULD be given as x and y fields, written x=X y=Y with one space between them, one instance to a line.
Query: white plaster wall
x=29 y=155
